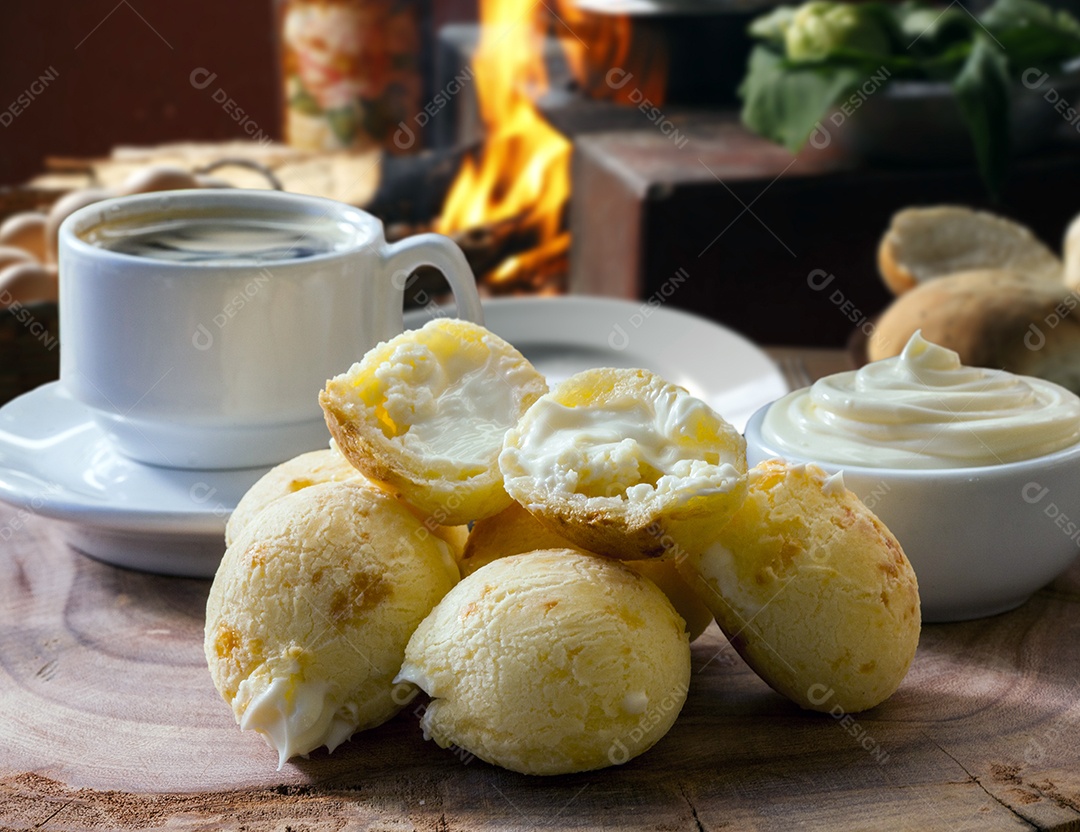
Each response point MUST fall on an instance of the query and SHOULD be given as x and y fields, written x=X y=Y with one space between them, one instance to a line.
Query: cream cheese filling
x=631 y=448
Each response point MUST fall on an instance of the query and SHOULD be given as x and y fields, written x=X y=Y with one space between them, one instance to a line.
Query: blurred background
x=586 y=146
x=123 y=74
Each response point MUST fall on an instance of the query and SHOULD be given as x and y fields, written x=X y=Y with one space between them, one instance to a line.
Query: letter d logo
x=202 y=339
x=618 y=339
x=404 y=137
x=1034 y=339
x=819 y=694
x=618 y=753
x=201 y=78
x=820 y=137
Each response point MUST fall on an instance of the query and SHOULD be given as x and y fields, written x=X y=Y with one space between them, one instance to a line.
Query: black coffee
x=223 y=240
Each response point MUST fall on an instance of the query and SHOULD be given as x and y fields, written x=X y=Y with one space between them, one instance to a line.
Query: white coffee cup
x=217 y=364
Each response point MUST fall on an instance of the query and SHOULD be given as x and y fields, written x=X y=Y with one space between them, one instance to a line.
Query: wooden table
x=108 y=720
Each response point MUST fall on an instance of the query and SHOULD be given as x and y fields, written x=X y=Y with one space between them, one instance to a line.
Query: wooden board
x=108 y=720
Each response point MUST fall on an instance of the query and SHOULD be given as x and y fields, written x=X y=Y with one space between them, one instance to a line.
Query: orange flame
x=523 y=173
x=612 y=59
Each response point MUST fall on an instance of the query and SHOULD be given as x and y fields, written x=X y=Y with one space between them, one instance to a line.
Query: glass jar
x=351 y=71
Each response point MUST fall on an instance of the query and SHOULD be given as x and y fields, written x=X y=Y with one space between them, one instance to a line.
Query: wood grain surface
x=108 y=720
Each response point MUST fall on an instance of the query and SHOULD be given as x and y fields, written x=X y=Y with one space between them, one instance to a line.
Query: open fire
x=517 y=189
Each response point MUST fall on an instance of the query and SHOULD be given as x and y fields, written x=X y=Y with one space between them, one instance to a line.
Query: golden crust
x=679 y=476
x=551 y=662
x=977 y=314
x=812 y=589
x=316 y=573
x=514 y=531
x=998 y=319
x=314 y=468
x=897 y=278
x=290 y=476
x=687 y=603
x=436 y=374
x=922 y=244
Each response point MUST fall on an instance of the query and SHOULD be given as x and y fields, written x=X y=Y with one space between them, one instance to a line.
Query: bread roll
x=64 y=208
x=551 y=662
x=619 y=460
x=1071 y=253
x=28 y=282
x=314 y=468
x=922 y=244
x=812 y=589
x=158 y=178
x=13 y=255
x=311 y=609
x=25 y=230
x=513 y=531
x=997 y=319
x=426 y=413
x=293 y=475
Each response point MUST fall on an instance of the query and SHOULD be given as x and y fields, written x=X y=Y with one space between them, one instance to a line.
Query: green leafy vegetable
x=784 y=103
x=812 y=57
x=773 y=26
x=822 y=28
x=1030 y=32
x=982 y=91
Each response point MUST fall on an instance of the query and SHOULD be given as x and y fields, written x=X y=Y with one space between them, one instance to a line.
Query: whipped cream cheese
x=295 y=716
x=924 y=409
x=451 y=413
x=632 y=448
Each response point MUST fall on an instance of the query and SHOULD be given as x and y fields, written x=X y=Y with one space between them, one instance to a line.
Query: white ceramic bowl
x=981 y=540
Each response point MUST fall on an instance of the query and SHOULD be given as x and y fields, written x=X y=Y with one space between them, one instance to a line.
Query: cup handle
x=403 y=258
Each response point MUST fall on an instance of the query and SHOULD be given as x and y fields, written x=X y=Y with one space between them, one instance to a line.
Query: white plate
x=55 y=462
x=564 y=335
x=668 y=8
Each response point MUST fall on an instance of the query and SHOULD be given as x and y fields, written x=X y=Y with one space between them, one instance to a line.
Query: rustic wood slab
x=108 y=720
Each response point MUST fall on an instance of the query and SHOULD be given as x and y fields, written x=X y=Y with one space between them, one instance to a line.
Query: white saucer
x=564 y=335
x=668 y=8
x=55 y=462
